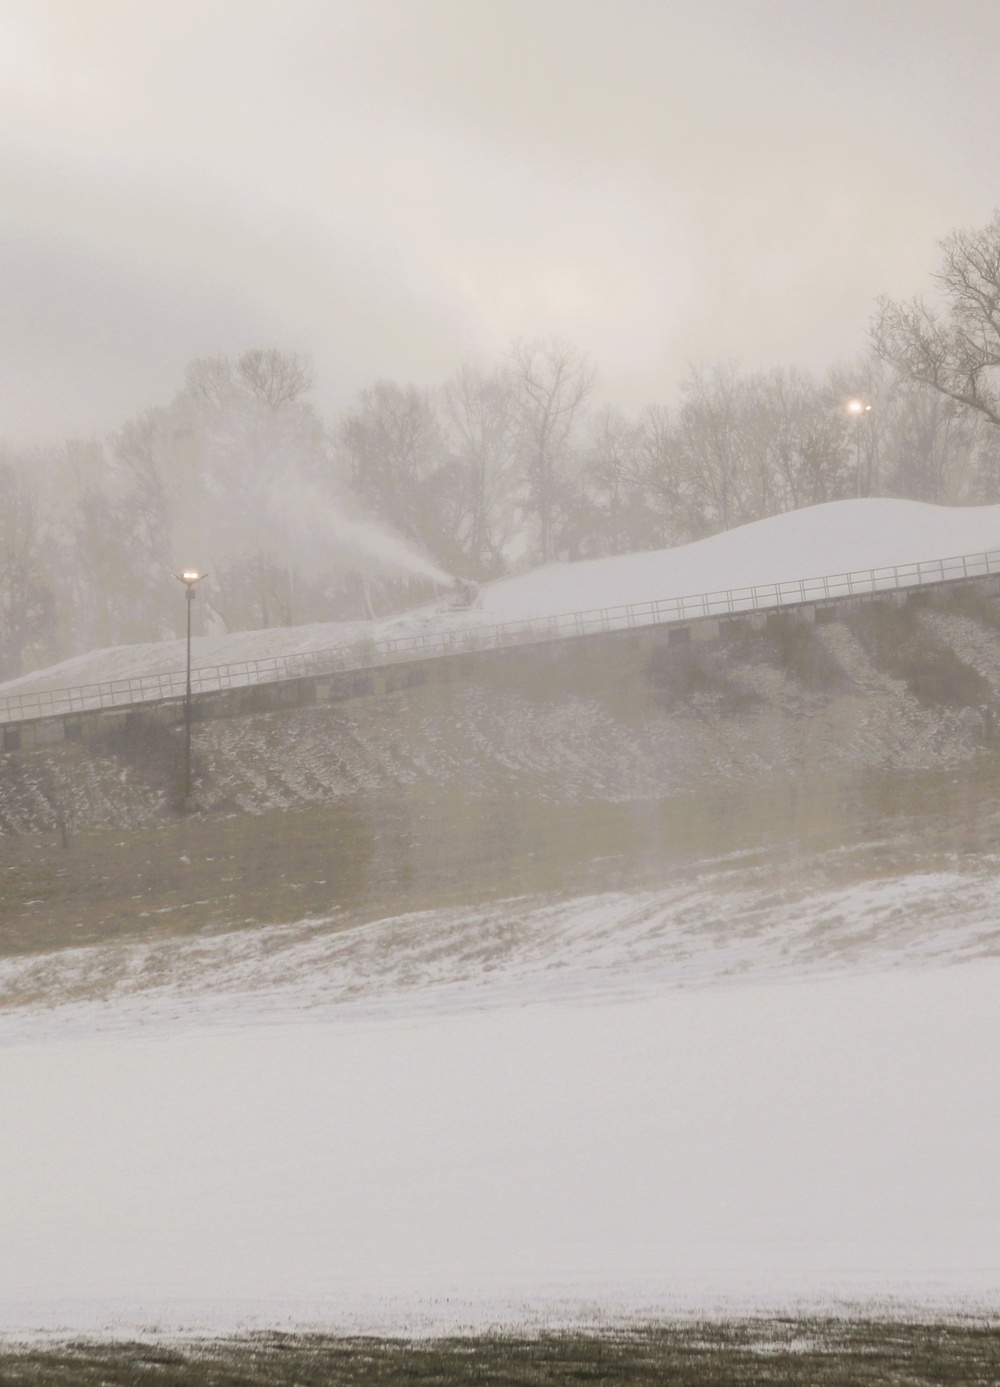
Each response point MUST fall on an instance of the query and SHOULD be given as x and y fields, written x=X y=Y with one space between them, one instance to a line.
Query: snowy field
x=836 y=538
x=687 y=1102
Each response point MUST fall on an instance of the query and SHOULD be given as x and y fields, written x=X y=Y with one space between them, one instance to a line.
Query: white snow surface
x=690 y=1101
x=835 y=538
x=838 y=537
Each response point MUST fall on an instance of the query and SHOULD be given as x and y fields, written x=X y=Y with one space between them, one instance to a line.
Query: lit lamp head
x=857 y=407
x=190 y=577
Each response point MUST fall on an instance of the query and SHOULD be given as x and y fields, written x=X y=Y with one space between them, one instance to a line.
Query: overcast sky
x=389 y=185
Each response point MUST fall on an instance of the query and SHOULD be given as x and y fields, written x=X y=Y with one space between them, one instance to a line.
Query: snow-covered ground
x=549 y=1111
x=839 y=537
x=836 y=538
x=803 y=1138
x=735 y=920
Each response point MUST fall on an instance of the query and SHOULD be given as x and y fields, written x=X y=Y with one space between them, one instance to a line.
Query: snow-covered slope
x=840 y=537
x=167 y=657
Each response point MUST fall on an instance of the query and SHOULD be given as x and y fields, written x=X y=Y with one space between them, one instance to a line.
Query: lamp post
x=858 y=409
x=190 y=578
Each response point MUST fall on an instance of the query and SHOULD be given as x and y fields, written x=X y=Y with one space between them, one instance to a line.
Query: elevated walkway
x=362 y=667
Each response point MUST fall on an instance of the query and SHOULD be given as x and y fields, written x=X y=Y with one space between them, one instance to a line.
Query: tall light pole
x=190 y=578
x=858 y=409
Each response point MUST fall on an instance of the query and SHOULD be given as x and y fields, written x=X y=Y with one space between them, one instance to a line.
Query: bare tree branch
x=956 y=352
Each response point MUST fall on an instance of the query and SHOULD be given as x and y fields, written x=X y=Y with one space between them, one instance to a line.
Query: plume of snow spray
x=333 y=530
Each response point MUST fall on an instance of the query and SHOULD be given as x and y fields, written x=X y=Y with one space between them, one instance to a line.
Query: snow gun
x=465 y=592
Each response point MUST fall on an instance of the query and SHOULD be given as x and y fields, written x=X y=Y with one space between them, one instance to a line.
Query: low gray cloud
x=387 y=186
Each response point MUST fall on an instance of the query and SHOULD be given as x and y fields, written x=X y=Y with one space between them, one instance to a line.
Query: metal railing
x=357 y=656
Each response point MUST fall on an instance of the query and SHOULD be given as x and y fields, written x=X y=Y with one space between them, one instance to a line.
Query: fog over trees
x=506 y=464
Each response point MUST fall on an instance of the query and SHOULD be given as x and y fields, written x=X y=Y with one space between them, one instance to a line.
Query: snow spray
x=332 y=524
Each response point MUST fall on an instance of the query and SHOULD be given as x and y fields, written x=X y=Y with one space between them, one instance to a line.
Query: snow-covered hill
x=840 y=537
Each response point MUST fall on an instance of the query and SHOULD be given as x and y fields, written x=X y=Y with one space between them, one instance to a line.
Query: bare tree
x=553 y=380
x=275 y=378
x=27 y=601
x=932 y=449
x=710 y=446
x=249 y=424
x=664 y=481
x=392 y=444
x=955 y=352
x=481 y=409
x=741 y=447
x=621 y=519
x=794 y=442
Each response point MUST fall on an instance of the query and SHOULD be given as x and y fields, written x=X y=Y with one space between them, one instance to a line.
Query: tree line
x=504 y=465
